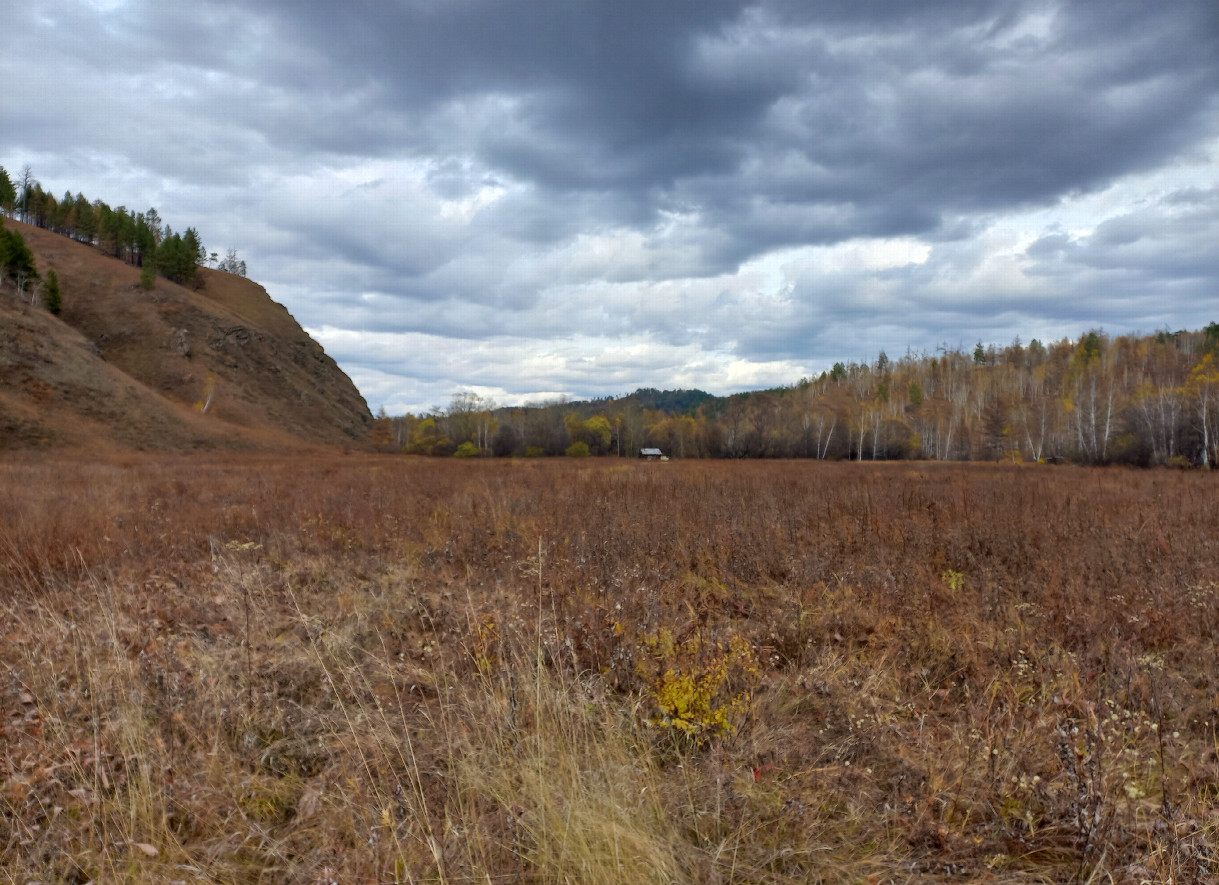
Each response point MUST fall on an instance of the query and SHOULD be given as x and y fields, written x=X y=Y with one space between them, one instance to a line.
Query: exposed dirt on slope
x=58 y=391
x=133 y=367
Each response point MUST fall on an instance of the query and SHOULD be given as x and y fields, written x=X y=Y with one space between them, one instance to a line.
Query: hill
x=126 y=367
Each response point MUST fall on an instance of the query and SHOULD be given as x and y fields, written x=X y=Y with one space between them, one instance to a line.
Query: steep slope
x=159 y=352
x=56 y=390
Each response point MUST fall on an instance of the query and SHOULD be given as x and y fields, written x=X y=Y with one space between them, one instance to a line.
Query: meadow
x=386 y=669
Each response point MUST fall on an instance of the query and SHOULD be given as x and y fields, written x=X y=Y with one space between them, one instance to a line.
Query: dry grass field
x=383 y=669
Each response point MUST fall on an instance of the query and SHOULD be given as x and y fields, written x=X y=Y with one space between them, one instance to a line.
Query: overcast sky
x=531 y=198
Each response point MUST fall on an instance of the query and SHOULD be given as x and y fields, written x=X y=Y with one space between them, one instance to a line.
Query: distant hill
x=125 y=367
x=678 y=402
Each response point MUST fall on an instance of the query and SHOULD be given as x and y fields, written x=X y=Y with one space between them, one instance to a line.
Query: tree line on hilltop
x=141 y=239
x=1139 y=400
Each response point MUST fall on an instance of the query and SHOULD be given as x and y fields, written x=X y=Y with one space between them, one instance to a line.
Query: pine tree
x=8 y=193
x=86 y=219
x=176 y=257
x=16 y=259
x=148 y=273
x=50 y=295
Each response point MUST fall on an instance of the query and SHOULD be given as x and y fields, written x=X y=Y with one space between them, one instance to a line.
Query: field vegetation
x=384 y=669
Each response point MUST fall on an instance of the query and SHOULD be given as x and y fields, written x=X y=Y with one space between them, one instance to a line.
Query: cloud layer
x=536 y=197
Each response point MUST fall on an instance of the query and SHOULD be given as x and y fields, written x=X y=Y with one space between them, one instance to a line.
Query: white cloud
x=531 y=200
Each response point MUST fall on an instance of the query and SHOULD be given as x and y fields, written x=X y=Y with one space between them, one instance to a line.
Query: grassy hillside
x=57 y=391
x=551 y=671
x=166 y=349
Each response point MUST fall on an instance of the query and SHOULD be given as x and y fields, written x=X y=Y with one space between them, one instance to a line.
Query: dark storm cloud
x=950 y=107
x=771 y=125
x=781 y=123
x=580 y=171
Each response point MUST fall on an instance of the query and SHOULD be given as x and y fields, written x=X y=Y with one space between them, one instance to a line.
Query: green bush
x=51 y=295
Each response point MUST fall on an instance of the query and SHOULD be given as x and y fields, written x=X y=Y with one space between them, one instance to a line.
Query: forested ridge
x=1133 y=399
x=141 y=239
x=213 y=365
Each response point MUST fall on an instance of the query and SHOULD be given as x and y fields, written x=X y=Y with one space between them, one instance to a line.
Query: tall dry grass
x=351 y=669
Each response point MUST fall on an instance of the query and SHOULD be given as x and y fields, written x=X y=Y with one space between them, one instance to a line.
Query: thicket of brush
x=397 y=670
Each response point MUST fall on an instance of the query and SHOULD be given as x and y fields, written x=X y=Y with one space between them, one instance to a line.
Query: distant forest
x=1138 y=400
x=141 y=239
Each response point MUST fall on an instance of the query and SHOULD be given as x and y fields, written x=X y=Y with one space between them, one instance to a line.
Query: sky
x=533 y=199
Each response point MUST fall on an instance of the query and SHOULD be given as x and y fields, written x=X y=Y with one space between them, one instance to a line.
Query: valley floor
x=385 y=669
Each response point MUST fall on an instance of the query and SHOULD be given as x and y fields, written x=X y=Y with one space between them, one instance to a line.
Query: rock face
x=217 y=365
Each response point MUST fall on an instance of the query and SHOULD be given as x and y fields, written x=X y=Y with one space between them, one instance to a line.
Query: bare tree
x=27 y=182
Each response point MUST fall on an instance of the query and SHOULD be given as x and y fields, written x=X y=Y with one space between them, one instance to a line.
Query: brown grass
x=233 y=669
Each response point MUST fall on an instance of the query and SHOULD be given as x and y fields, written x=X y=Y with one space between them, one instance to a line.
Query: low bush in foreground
x=397 y=670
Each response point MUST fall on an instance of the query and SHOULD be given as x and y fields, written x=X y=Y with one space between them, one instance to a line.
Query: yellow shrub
x=699 y=696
